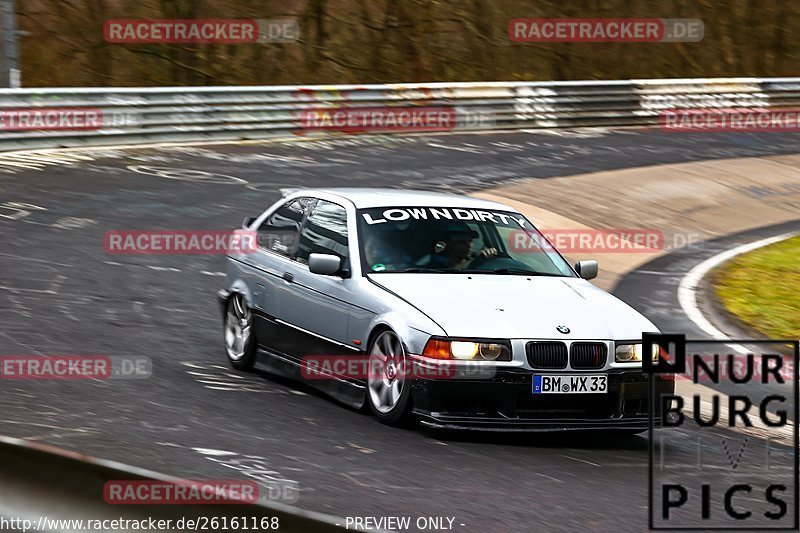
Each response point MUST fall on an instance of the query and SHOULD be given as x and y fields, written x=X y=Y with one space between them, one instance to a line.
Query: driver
x=452 y=246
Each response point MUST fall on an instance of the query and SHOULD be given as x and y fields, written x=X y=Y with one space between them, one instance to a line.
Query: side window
x=325 y=232
x=280 y=232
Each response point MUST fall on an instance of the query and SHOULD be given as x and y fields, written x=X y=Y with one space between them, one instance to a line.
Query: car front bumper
x=505 y=402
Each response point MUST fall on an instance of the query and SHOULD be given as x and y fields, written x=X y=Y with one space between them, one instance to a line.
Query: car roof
x=365 y=197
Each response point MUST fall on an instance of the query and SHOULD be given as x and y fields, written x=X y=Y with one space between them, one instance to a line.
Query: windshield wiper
x=520 y=271
x=427 y=270
x=423 y=270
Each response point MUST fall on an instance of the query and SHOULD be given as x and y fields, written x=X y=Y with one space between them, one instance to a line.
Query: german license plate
x=570 y=383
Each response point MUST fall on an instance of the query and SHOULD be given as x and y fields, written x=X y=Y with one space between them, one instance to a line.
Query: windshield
x=455 y=240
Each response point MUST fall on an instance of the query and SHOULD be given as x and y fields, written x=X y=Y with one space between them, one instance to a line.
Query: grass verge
x=762 y=289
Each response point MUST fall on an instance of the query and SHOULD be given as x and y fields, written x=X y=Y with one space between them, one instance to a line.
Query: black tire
x=394 y=412
x=239 y=317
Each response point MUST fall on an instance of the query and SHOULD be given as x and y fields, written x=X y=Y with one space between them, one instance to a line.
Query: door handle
x=288 y=276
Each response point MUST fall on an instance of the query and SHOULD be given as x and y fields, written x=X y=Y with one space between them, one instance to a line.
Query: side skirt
x=275 y=360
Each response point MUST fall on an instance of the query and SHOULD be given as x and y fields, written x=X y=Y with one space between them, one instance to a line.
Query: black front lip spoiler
x=518 y=425
x=499 y=404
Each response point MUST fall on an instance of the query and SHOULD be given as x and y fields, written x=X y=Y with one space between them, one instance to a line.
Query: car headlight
x=490 y=351
x=464 y=350
x=632 y=353
x=467 y=350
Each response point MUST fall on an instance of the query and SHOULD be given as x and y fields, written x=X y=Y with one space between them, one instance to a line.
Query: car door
x=318 y=306
x=277 y=237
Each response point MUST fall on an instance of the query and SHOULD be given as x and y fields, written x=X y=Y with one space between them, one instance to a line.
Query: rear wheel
x=240 y=342
x=388 y=390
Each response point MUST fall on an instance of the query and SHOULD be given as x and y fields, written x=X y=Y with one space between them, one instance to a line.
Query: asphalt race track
x=60 y=293
x=652 y=290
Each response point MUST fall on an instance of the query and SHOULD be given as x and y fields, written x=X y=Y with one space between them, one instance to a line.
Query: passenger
x=383 y=253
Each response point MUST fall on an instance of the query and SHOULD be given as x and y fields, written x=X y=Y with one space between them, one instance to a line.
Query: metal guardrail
x=50 y=487
x=183 y=114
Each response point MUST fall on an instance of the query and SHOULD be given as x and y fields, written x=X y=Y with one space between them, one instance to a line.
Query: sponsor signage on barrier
x=724 y=445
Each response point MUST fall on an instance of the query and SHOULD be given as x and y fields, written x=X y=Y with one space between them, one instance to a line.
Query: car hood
x=517 y=307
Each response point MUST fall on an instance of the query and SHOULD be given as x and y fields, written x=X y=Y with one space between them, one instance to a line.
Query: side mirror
x=248 y=221
x=586 y=269
x=325 y=264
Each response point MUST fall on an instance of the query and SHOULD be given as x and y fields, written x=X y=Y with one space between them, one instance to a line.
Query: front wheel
x=240 y=342
x=388 y=390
